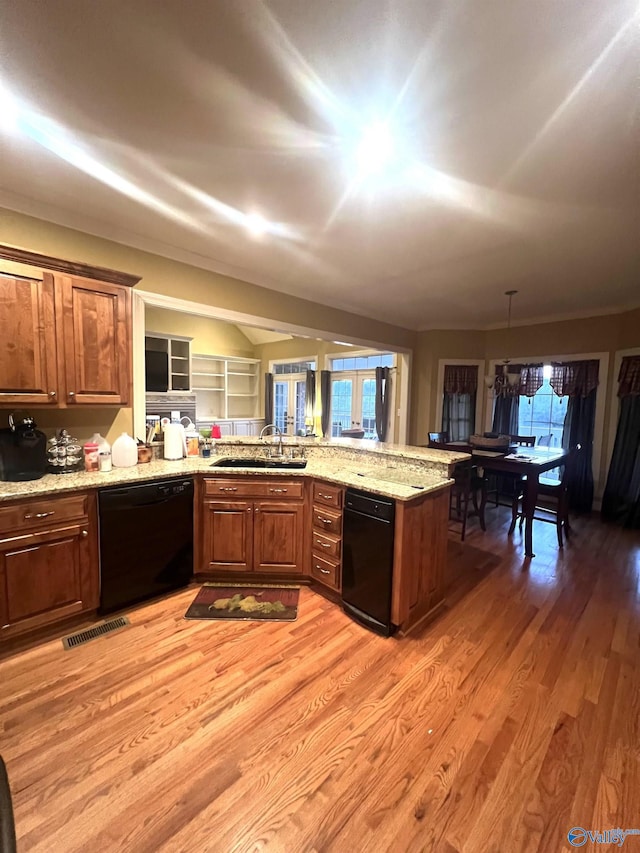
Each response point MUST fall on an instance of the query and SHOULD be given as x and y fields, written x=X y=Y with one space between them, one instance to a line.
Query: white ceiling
x=159 y=124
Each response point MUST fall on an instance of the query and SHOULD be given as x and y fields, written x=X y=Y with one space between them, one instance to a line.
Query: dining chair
x=468 y=487
x=545 y=440
x=7 y=825
x=523 y=440
x=557 y=491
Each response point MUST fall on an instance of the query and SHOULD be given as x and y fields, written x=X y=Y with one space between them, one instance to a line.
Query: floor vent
x=81 y=637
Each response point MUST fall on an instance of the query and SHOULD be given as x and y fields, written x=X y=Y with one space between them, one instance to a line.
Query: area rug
x=262 y=602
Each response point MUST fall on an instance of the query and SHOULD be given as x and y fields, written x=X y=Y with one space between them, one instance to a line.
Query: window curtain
x=505 y=415
x=531 y=380
x=268 y=398
x=579 y=381
x=309 y=399
x=325 y=402
x=459 y=401
x=621 y=499
x=383 y=389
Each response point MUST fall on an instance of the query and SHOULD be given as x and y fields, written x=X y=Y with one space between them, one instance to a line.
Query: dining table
x=527 y=462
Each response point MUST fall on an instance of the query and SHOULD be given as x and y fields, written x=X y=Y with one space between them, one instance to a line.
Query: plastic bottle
x=124 y=453
x=104 y=452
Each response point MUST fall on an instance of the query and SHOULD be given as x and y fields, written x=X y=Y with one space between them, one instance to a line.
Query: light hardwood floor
x=510 y=719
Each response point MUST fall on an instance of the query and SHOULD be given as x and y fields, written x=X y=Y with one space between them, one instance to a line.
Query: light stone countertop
x=402 y=472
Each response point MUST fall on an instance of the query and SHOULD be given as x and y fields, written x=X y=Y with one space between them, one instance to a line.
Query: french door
x=353 y=402
x=289 y=397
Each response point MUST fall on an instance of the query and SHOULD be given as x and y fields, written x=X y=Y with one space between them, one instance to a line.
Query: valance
x=531 y=379
x=574 y=378
x=629 y=376
x=460 y=379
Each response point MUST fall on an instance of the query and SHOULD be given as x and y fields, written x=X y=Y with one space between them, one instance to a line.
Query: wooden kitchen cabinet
x=326 y=535
x=94 y=341
x=253 y=525
x=48 y=561
x=70 y=342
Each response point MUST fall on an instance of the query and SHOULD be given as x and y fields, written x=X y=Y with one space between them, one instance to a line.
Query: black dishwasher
x=367 y=559
x=146 y=541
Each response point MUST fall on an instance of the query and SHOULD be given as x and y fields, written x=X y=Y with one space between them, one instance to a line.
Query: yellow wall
x=209 y=337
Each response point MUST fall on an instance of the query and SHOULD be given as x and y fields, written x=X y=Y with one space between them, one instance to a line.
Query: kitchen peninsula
x=39 y=513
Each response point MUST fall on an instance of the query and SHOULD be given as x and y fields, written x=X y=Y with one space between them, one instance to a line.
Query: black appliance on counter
x=23 y=449
x=146 y=540
x=367 y=559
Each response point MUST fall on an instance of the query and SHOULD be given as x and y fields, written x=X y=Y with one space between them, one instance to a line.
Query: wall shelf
x=226 y=388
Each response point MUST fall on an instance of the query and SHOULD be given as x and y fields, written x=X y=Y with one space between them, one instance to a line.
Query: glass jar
x=91 y=456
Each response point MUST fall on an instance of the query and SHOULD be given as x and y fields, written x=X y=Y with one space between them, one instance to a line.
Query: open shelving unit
x=178 y=357
x=226 y=388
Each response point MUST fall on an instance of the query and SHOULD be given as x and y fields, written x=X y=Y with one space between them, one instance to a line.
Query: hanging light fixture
x=504 y=383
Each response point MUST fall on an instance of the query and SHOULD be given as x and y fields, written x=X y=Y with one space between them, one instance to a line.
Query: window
x=543 y=414
x=353 y=392
x=289 y=395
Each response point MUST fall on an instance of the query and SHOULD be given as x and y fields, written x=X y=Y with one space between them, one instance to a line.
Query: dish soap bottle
x=124 y=453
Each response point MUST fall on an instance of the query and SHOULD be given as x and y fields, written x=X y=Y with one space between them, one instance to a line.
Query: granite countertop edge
x=358 y=471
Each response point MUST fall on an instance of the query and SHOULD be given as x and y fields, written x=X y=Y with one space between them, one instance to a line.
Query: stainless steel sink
x=259 y=462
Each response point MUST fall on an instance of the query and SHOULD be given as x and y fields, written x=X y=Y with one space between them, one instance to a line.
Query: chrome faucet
x=276 y=429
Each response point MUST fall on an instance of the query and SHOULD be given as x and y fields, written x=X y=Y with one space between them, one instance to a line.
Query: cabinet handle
x=228 y=488
x=322 y=544
x=326 y=497
x=38 y=514
x=324 y=520
x=257 y=509
x=72 y=393
x=248 y=509
x=84 y=533
x=278 y=491
x=52 y=393
x=323 y=571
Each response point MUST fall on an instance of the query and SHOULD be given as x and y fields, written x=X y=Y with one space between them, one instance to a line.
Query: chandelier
x=504 y=383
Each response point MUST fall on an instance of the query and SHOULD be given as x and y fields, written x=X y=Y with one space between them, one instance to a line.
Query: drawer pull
x=278 y=491
x=324 y=520
x=228 y=488
x=323 y=571
x=326 y=497
x=38 y=514
x=84 y=533
x=322 y=544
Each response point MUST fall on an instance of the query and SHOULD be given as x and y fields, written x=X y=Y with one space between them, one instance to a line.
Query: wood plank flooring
x=510 y=719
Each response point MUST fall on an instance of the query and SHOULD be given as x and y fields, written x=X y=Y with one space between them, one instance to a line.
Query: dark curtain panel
x=579 y=425
x=325 y=402
x=621 y=500
x=268 y=398
x=459 y=416
x=310 y=399
x=505 y=415
x=383 y=389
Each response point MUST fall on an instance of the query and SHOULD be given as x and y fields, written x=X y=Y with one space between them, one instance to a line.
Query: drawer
x=327 y=520
x=243 y=488
x=326 y=546
x=43 y=512
x=326 y=571
x=327 y=494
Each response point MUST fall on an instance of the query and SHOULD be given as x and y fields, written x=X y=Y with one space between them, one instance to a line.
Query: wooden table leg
x=529 y=507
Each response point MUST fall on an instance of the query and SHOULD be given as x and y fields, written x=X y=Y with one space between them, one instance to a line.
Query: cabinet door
x=228 y=536
x=44 y=577
x=95 y=345
x=278 y=534
x=28 y=371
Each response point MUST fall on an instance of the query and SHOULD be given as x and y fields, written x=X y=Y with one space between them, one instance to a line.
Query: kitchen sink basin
x=259 y=462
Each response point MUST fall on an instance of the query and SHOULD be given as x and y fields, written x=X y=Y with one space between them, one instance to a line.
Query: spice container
x=91 y=456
